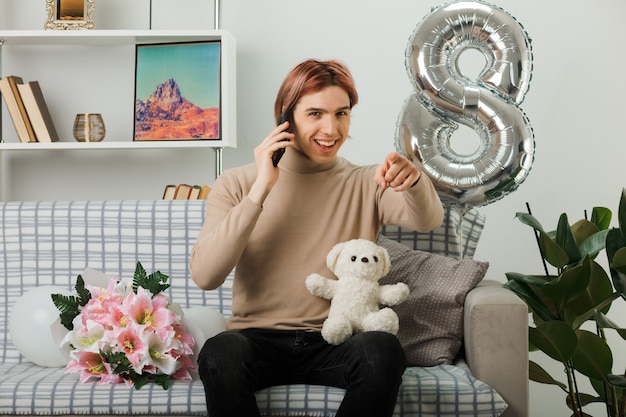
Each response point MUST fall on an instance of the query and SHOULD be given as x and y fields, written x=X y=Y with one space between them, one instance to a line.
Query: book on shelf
x=194 y=192
x=186 y=192
x=169 y=192
x=16 y=109
x=14 y=81
x=38 y=112
x=182 y=192
x=204 y=192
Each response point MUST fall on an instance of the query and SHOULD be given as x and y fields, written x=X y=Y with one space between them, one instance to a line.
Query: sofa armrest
x=496 y=343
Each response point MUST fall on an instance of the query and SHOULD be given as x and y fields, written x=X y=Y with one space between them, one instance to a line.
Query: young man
x=276 y=224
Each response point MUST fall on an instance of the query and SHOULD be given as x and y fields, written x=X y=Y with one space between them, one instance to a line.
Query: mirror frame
x=55 y=21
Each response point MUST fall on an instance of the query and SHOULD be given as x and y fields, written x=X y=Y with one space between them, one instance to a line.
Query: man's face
x=322 y=123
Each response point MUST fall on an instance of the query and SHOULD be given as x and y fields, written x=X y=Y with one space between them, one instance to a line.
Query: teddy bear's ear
x=384 y=254
x=333 y=255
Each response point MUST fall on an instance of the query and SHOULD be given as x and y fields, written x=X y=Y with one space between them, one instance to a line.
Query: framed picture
x=70 y=14
x=178 y=91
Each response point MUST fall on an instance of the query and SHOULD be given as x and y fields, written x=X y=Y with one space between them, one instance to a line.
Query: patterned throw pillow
x=457 y=237
x=431 y=318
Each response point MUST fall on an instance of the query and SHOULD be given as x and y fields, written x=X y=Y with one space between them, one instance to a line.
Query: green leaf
x=69 y=305
x=594 y=244
x=517 y=284
x=552 y=252
x=582 y=229
x=83 y=293
x=587 y=315
x=566 y=240
x=155 y=282
x=570 y=284
x=606 y=323
x=601 y=217
x=618 y=270
x=594 y=296
x=529 y=220
x=162 y=380
x=538 y=374
x=593 y=356
x=120 y=364
x=534 y=280
x=621 y=214
x=617 y=380
x=614 y=242
x=555 y=338
x=585 y=399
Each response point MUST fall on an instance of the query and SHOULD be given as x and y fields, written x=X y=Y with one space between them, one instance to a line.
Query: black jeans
x=234 y=364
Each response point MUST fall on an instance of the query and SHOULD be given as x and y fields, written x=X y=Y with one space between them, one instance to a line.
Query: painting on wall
x=177 y=91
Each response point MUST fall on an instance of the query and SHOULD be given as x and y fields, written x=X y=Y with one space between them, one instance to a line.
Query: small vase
x=89 y=127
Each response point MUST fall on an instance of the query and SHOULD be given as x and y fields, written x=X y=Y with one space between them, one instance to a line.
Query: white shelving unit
x=60 y=57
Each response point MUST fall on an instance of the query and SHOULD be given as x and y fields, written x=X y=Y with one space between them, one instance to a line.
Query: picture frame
x=178 y=91
x=70 y=14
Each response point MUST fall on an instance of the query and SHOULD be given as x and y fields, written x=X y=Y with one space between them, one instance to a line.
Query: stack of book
x=28 y=110
x=186 y=192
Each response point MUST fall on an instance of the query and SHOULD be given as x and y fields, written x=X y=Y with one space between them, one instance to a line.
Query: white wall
x=575 y=105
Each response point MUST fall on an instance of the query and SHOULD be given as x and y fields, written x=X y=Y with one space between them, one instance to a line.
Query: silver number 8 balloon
x=444 y=97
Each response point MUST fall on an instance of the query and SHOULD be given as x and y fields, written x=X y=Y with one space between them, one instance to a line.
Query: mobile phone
x=279 y=153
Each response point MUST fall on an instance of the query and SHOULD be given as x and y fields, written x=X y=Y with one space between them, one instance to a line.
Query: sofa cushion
x=425 y=392
x=431 y=318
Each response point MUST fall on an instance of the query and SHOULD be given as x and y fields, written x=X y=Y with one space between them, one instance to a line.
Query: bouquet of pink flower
x=125 y=333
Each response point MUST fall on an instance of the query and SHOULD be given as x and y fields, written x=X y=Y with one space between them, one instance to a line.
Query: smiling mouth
x=326 y=143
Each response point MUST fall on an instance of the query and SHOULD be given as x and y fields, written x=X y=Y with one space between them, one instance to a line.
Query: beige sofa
x=50 y=243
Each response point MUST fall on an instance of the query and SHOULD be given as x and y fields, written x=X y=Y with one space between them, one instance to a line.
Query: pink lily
x=91 y=365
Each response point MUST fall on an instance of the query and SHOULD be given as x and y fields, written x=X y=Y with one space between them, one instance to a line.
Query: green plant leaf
x=593 y=356
x=618 y=270
x=570 y=284
x=593 y=244
x=529 y=220
x=538 y=374
x=617 y=380
x=518 y=285
x=585 y=399
x=552 y=252
x=535 y=280
x=614 y=242
x=155 y=282
x=594 y=296
x=566 y=240
x=587 y=315
x=582 y=229
x=606 y=323
x=601 y=217
x=621 y=214
x=69 y=305
x=555 y=338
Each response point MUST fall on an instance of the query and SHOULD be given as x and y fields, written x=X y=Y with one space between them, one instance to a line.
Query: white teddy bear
x=356 y=295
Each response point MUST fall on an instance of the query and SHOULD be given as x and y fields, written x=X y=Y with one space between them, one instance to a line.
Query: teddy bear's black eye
x=375 y=258
x=353 y=258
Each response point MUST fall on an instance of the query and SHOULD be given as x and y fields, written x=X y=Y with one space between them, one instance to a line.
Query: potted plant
x=569 y=305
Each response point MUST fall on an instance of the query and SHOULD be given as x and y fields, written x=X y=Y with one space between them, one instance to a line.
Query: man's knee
x=225 y=350
x=380 y=351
